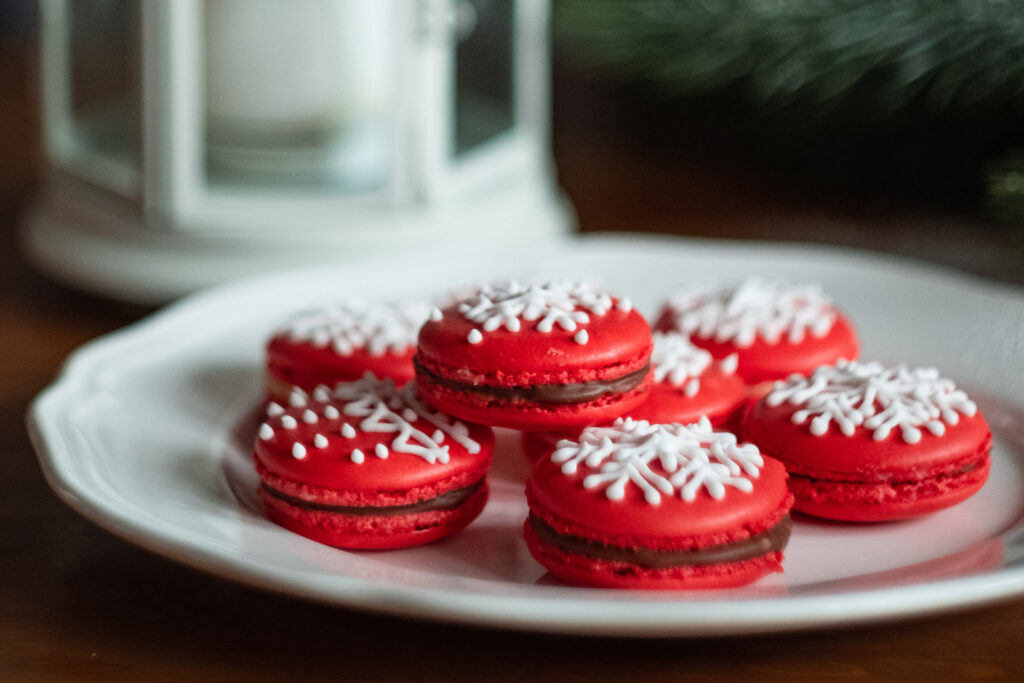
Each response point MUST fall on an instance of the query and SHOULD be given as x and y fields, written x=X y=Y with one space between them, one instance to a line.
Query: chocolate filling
x=544 y=393
x=445 y=501
x=756 y=546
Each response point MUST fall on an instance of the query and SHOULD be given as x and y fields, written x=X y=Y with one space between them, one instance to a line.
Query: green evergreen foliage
x=876 y=54
x=907 y=94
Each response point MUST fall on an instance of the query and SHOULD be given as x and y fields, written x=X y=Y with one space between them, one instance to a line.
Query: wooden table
x=79 y=604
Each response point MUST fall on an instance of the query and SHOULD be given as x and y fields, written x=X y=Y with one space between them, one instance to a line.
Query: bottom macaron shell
x=884 y=501
x=374 y=532
x=588 y=571
x=529 y=416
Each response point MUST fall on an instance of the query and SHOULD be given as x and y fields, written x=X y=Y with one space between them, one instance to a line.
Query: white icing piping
x=693 y=456
x=350 y=325
x=549 y=304
x=677 y=361
x=384 y=408
x=753 y=308
x=874 y=397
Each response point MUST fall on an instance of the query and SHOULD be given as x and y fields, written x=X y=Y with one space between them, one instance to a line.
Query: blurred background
x=151 y=152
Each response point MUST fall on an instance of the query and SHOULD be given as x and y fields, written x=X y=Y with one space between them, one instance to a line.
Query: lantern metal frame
x=153 y=233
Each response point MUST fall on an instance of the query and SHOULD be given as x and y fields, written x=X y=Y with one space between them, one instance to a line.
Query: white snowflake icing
x=384 y=408
x=349 y=325
x=676 y=360
x=874 y=397
x=741 y=312
x=691 y=457
x=549 y=304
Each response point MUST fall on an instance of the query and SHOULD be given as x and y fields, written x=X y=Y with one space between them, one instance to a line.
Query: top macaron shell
x=719 y=397
x=764 y=361
x=331 y=466
x=570 y=508
x=343 y=340
x=860 y=456
x=619 y=342
x=303 y=364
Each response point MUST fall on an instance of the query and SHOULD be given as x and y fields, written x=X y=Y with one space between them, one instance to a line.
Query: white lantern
x=192 y=141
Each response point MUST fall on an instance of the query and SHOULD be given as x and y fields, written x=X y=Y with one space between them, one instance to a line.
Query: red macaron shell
x=859 y=457
x=719 y=398
x=619 y=342
x=304 y=365
x=564 y=504
x=884 y=501
x=375 y=532
x=375 y=479
x=763 y=361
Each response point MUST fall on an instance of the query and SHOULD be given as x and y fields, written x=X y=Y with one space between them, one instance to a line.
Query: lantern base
x=88 y=241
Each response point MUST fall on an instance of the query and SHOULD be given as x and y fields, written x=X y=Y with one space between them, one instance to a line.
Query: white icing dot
x=297 y=399
x=409 y=415
x=625 y=305
x=474 y=336
x=289 y=422
x=357 y=456
x=322 y=394
x=309 y=417
x=730 y=363
x=274 y=409
x=381 y=451
x=266 y=431
x=691 y=388
x=581 y=337
x=298 y=451
x=331 y=413
x=437 y=436
x=347 y=431
x=435 y=314
x=320 y=441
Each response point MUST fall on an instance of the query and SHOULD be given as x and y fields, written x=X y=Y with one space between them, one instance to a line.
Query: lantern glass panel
x=105 y=93
x=484 y=101
x=299 y=94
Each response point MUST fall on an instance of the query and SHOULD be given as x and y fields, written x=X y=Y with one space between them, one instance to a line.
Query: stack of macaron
x=640 y=478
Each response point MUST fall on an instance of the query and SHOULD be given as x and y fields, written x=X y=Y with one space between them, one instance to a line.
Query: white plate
x=141 y=435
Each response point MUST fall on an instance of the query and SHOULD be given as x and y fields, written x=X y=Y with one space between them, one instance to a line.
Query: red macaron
x=688 y=383
x=341 y=341
x=535 y=357
x=367 y=465
x=865 y=443
x=637 y=505
x=774 y=329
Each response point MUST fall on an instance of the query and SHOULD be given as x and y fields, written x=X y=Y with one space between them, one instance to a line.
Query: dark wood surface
x=79 y=604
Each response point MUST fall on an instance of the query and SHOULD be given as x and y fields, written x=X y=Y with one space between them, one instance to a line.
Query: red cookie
x=867 y=443
x=340 y=342
x=688 y=384
x=535 y=357
x=637 y=505
x=775 y=330
x=366 y=465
